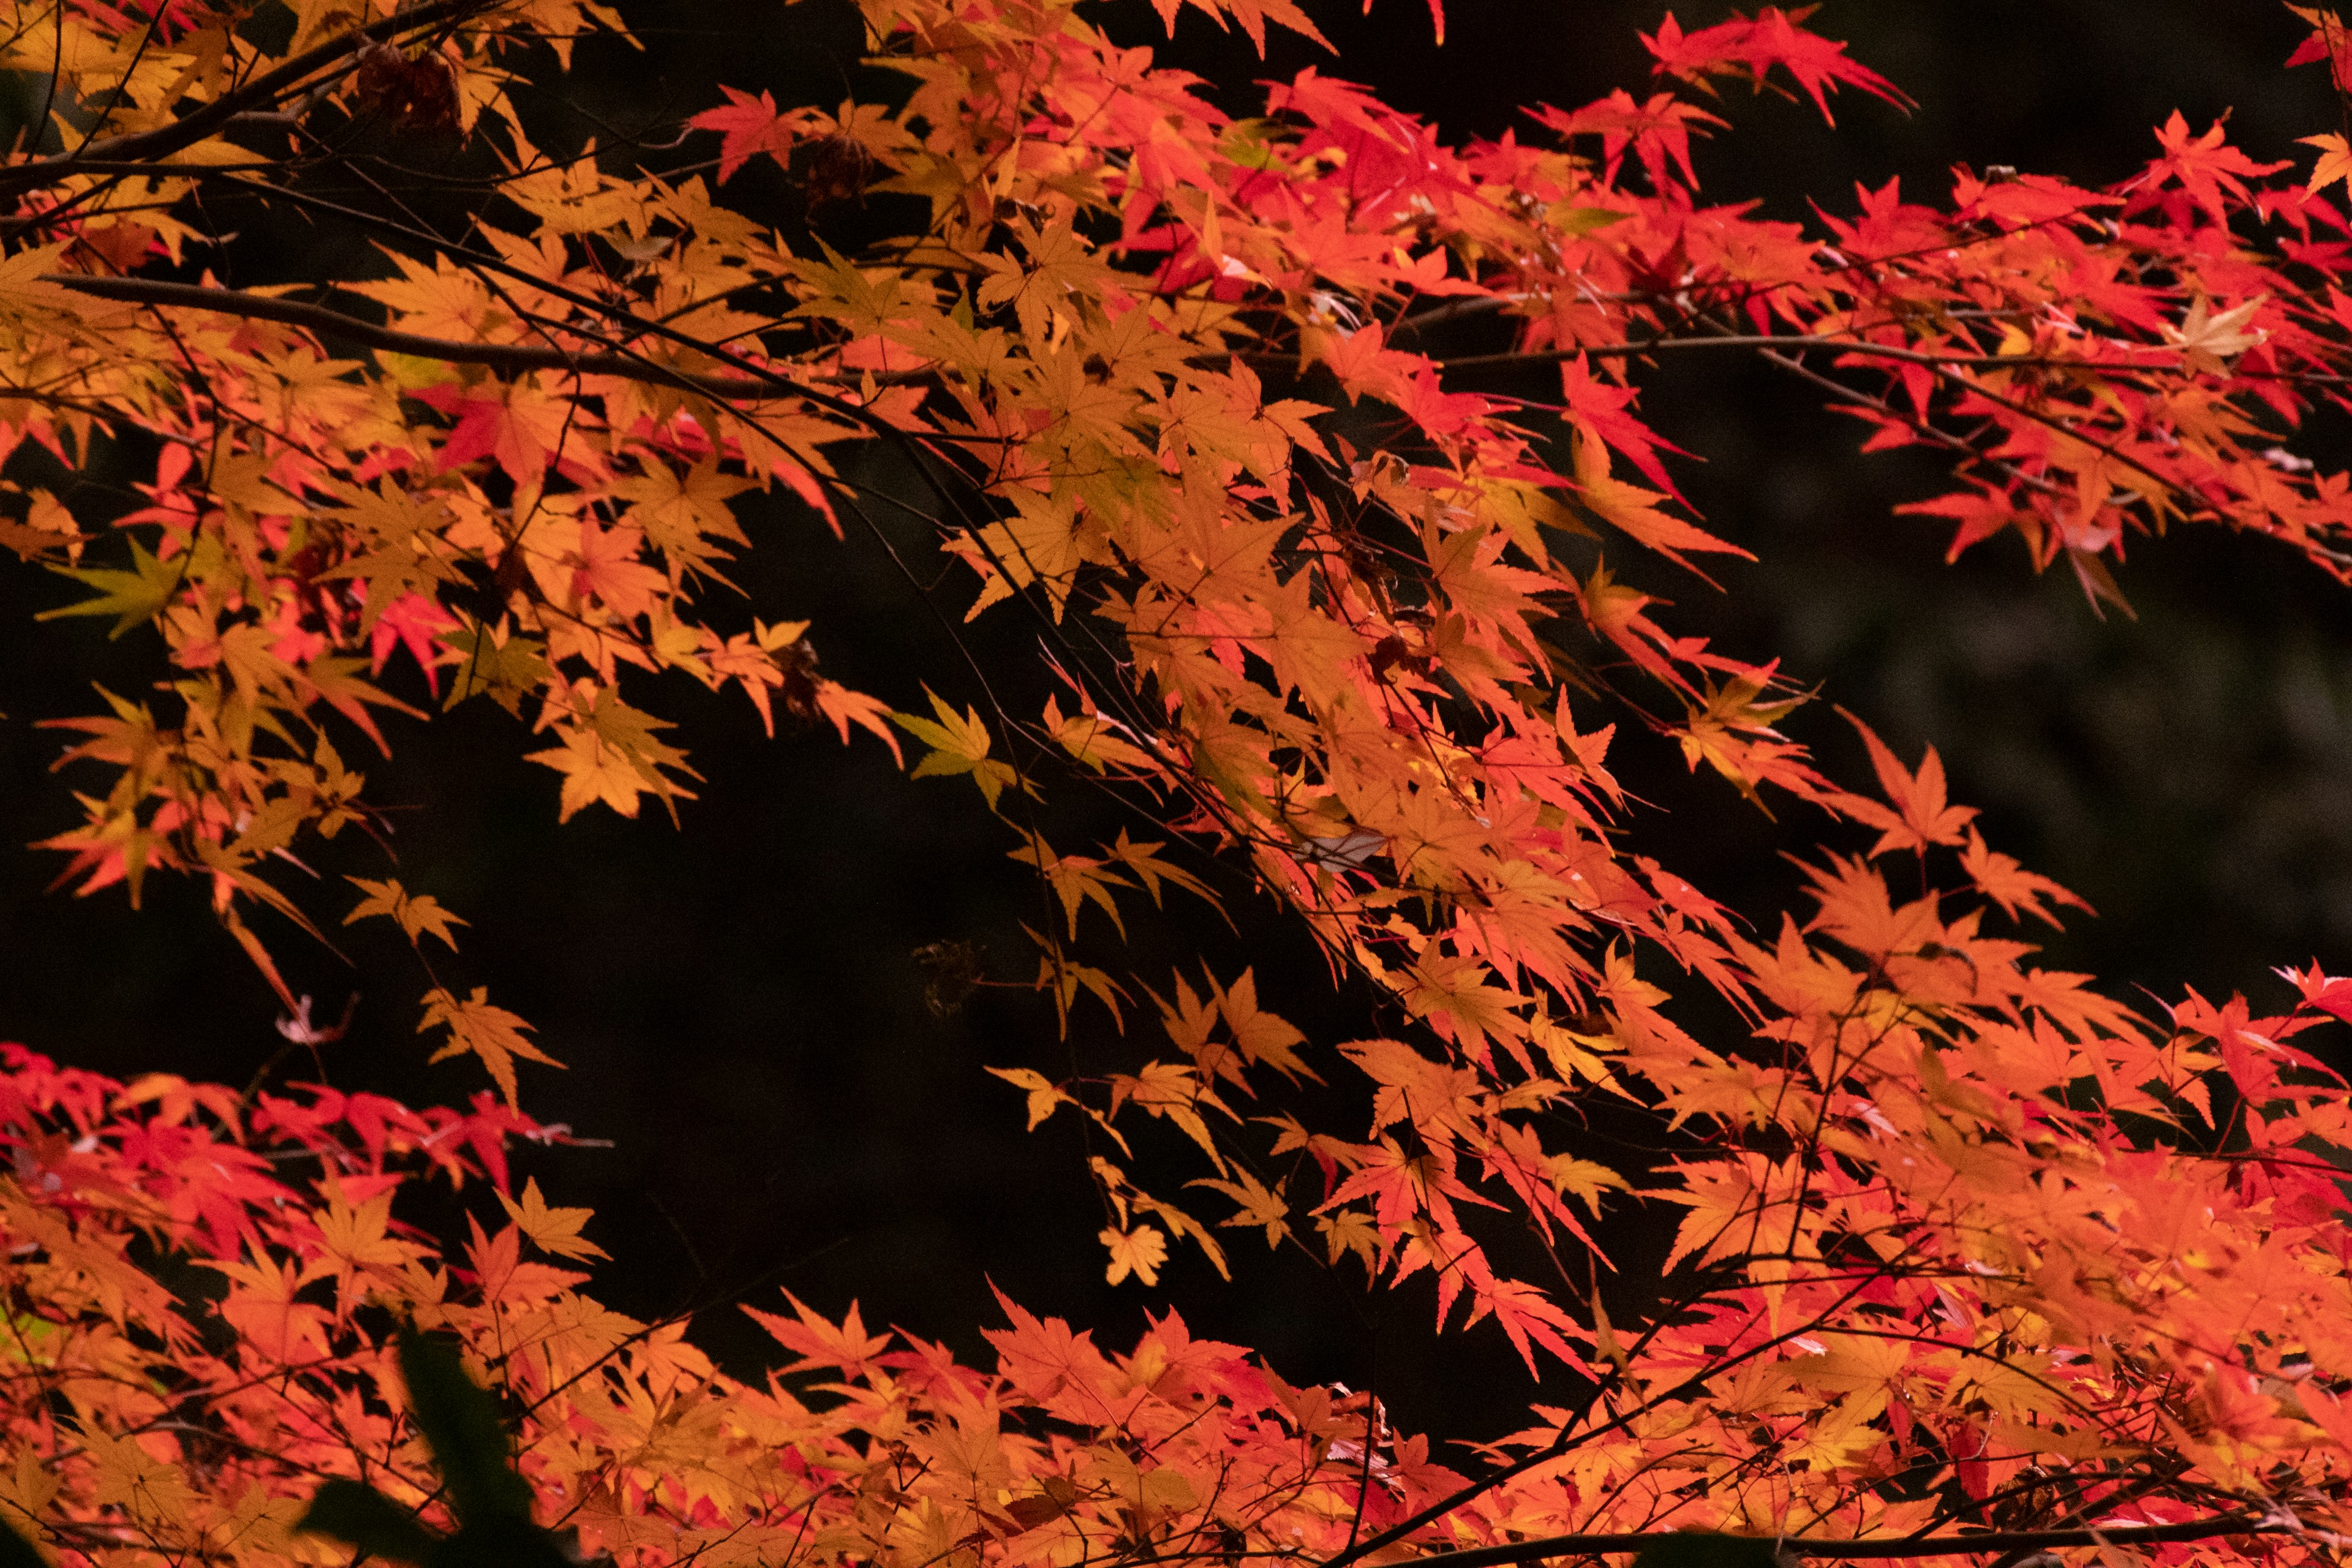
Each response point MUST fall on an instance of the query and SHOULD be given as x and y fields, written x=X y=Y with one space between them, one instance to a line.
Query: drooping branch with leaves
x=1973 y=1260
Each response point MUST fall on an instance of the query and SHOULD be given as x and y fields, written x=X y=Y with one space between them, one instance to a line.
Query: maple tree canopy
x=1972 y=1260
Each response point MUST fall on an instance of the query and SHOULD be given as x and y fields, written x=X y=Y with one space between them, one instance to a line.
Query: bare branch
x=513 y=357
x=1798 y=342
x=1972 y=1543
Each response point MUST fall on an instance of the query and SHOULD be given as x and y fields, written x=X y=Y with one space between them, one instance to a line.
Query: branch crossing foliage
x=1962 y=1244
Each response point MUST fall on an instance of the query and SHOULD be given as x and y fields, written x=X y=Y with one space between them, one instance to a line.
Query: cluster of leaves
x=522 y=537
x=214 y=1307
x=217 y=1343
x=1964 y=1242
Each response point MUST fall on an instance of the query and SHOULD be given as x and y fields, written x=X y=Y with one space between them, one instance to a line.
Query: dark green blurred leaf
x=1695 y=1550
x=15 y=1552
x=461 y=1422
x=364 y=1517
x=502 y=1542
x=133 y=597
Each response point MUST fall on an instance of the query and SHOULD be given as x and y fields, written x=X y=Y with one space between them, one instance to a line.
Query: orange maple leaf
x=490 y=1033
x=1920 y=816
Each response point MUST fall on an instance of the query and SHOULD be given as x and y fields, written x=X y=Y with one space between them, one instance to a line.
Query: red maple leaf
x=410 y=622
x=1751 y=47
x=747 y=126
x=2203 y=166
x=1601 y=408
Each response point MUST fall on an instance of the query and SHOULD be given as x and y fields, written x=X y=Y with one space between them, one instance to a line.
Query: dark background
x=735 y=995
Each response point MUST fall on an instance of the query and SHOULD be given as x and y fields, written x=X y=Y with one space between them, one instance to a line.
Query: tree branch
x=148 y=146
x=513 y=357
x=1894 y=1546
x=1799 y=342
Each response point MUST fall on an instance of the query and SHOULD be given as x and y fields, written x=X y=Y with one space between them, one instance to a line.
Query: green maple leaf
x=133 y=597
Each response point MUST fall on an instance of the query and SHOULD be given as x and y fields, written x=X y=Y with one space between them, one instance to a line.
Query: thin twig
x=507 y=357
x=1971 y=1544
x=149 y=146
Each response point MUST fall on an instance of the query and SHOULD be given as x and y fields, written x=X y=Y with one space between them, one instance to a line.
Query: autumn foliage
x=1972 y=1258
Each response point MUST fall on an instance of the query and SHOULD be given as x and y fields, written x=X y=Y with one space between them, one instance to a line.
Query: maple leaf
x=415 y=623
x=1365 y=366
x=1074 y=879
x=1979 y=513
x=2330 y=40
x=1259 y=1035
x=820 y=1342
x=1921 y=816
x=1094 y=741
x=496 y=662
x=355 y=1240
x=133 y=597
x=606 y=568
x=684 y=513
x=2208 y=339
x=264 y=1306
x=48 y=525
x=1531 y=1320
x=1039 y=544
x=593 y=772
x=613 y=758
x=28 y=292
x=1172 y=1092
x=1453 y=993
x=1060 y=264
x=1659 y=129
x=417 y=915
x=2206 y=167
x=478 y=1028
x=958 y=745
x=2006 y=883
x=844 y=707
x=1631 y=507
x=1351 y=1231
x=1044 y=1095
x=1262 y=1207
x=555 y=1230
x=1254 y=15
x=2334 y=161
x=1754 y=47
x=1038 y=1354
x=519 y=426
x=1600 y=409
x=1140 y=1251
x=151 y=1491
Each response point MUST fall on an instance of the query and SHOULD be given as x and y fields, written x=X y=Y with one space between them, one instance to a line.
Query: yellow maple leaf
x=592 y=772
x=1140 y=1251
x=418 y=914
x=2208 y=339
x=1834 y=1440
x=357 y=1240
x=960 y=744
x=1040 y=542
x=490 y=1033
x=149 y=1489
x=1044 y=1096
x=1350 y=1230
x=25 y=292
x=1260 y=1206
x=2334 y=161
x=555 y=1230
